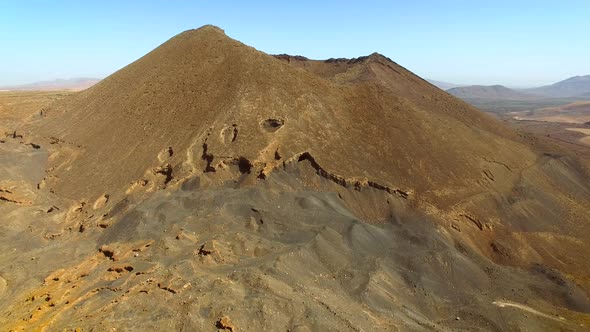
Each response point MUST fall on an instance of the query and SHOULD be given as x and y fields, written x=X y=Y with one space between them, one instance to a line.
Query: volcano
x=209 y=185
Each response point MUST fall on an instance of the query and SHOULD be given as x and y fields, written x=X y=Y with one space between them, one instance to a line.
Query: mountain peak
x=373 y=57
x=208 y=28
x=577 y=78
x=206 y=32
x=571 y=87
x=202 y=83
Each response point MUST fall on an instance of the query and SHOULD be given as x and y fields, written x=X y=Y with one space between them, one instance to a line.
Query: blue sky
x=516 y=43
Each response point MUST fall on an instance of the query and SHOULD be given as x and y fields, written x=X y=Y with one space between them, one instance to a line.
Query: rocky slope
x=211 y=186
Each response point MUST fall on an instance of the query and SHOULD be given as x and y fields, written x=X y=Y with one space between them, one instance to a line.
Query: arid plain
x=210 y=186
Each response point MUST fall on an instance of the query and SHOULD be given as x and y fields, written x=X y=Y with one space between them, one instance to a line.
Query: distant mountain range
x=573 y=87
x=75 y=84
x=443 y=85
x=490 y=92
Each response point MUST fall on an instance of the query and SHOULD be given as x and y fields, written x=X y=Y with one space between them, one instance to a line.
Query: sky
x=514 y=43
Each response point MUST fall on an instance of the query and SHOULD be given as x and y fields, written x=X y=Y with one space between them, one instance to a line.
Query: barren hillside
x=211 y=186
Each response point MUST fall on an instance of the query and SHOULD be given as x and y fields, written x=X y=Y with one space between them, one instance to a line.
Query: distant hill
x=571 y=87
x=575 y=113
x=443 y=85
x=75 y=84
x=490 y=92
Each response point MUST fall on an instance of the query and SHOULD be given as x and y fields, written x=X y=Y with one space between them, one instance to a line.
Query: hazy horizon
x=518 y=45
x=458 y=84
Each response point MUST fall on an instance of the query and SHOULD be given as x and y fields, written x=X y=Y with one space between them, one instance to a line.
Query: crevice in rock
x=120 y=269
x=354 y=183
x=272 y=125
x=480 y=225
x=108 y=252
x=165 y=170
x=14 y=201
x=488 y=174
x=166 y=288
x=208 y=157
x=14 y=134
x=235 y=133
x=498 y=163
x=6 y=199
x=244 y=165
x=52 y=208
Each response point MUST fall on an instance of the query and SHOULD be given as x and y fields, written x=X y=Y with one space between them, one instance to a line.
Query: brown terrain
x=567 y=125
x=209 y=186
x=574 y=113
x=561 y=122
